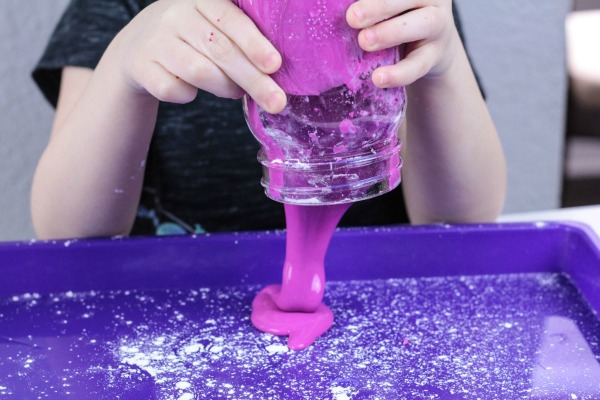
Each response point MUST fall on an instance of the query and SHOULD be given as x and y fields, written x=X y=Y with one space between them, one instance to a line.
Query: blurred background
x=539 y=64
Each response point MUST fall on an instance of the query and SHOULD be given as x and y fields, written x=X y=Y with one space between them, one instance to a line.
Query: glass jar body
x=336 y=140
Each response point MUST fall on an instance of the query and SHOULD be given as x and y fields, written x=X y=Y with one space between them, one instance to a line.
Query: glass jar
x=336 y=141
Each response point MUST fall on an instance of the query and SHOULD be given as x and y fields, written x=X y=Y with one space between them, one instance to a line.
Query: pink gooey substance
x=334 y=143
x=327 y=58
x=294 y=308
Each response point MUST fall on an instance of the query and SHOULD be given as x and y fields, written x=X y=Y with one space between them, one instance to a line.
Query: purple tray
x=501 y=311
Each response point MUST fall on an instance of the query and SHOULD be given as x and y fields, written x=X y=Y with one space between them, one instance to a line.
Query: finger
x=216 y=46
x=231 y=20
x=165 y=86
x=364 y=13
x=414 y=66
x=424 y=23
x=185 y=62
x=260 y=86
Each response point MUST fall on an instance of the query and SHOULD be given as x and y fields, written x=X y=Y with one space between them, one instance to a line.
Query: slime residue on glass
x=320 y=50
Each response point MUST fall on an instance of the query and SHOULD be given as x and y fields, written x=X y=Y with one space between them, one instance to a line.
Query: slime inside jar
x=336 y=140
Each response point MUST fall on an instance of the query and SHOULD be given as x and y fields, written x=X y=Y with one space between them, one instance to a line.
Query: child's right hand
x=175 y=47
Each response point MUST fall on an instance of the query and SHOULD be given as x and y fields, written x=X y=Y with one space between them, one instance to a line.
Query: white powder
x=183 y=385
x=276 y=348
x=340 y=393
x=192 y=348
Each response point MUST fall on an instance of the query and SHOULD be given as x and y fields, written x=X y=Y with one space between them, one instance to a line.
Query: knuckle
x=164 y=90
x=198 y=69
x=422 y=68
x=433 y=21
x=169 y=16
x=258 y=87
x=172 y=90
x=384 y=7
x=227 y=15
x=398 y=31
x=254 y=85
x=255 y=46
x=221 y=49
x=223 y=14
x=231 y=91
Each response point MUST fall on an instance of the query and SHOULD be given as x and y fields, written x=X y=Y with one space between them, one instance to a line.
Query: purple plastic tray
x=501 y=311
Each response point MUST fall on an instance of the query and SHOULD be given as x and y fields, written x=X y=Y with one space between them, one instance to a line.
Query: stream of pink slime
x=295 y=307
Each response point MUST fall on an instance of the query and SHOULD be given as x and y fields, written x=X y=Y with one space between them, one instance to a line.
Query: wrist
x=117 y=66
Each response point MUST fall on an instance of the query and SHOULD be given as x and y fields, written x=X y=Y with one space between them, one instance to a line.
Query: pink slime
x=333 y=42
x=294 y=308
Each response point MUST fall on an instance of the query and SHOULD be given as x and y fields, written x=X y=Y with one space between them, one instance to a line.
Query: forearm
x=89 y=179
x=454 y=168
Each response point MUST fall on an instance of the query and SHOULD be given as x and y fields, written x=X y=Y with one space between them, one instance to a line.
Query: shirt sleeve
x=80 y=38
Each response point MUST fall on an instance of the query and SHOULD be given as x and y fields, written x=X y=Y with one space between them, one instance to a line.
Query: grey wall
x=25 y=117
x=517 y=47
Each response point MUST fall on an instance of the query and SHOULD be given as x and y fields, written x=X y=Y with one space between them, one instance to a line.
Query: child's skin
x=89 y=179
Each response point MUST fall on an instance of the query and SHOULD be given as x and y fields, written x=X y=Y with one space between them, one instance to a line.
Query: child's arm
x=454 y=169
x=89 y=178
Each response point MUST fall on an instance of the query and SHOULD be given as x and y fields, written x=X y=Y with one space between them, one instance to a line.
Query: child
x=144 y=125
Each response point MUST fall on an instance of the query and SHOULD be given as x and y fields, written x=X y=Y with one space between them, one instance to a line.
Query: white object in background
x=589 y=215
x=583 y=55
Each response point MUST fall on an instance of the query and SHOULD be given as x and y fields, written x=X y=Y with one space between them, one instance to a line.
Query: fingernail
x=382 y=79
x=271 y=62
x=274 y=101
x=370 y=36
x=359 y=14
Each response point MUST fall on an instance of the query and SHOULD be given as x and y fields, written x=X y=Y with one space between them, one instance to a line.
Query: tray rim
x=572 y=243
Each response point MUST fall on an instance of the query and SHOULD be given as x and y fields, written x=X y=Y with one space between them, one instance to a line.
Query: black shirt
x=202 y=171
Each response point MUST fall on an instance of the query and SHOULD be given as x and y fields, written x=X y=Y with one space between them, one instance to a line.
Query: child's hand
x=175 y=47
x=425 y=26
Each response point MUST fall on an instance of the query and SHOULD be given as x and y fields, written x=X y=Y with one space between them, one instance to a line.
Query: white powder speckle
x=130 y=349
x=192 y=348
x=277 y=348
x=340 y=393
x=216 y=349
x=186 y=396
x=183 y=385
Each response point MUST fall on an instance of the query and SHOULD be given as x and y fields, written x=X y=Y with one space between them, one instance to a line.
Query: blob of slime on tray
x=334 y=143
x=295 y=308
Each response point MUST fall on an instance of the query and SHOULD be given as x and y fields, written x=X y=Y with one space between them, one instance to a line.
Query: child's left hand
x=426 y=27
